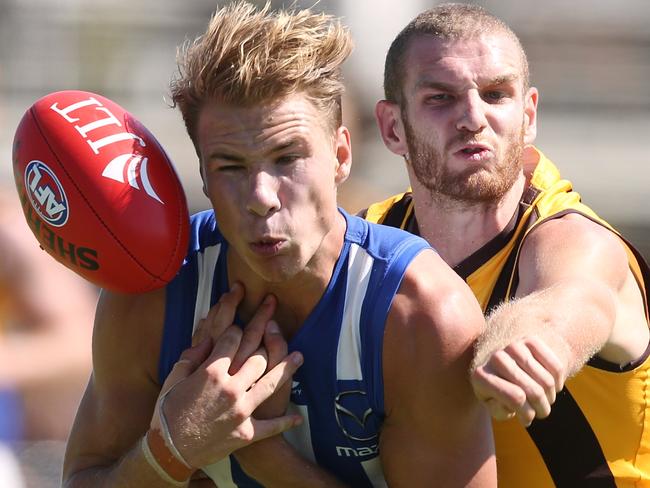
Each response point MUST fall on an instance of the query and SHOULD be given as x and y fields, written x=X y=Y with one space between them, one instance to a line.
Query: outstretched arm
x=576 y=297
x=436 y=433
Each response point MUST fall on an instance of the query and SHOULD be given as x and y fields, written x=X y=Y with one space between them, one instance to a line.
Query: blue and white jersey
x=339 y=388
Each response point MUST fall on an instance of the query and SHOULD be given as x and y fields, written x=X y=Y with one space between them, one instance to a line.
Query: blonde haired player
x=386 y=329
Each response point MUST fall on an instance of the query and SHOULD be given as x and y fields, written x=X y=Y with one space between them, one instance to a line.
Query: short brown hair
x=249 y=56
x=448 y=21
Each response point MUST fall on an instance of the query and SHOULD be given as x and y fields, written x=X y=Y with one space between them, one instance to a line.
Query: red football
x=99 y=192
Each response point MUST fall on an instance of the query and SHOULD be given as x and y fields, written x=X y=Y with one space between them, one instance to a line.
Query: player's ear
x=343 y=154
x=391 y=127
x=530 y=115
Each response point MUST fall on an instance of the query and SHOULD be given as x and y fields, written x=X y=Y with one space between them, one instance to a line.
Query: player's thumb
x=270 y=427
x=188 y=362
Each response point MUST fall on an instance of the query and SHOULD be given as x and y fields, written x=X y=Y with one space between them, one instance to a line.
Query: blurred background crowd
x=589 y=58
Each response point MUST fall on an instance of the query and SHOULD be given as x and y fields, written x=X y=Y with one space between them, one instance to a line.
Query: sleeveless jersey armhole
x=374 y=313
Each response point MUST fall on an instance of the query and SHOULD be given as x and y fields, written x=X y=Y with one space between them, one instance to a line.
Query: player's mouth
x=474 y=152
x=267 y=246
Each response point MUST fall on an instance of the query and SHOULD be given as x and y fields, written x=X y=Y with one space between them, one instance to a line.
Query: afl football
x=99 y=193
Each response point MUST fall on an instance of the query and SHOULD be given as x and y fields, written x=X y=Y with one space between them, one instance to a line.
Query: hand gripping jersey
x=598 y=433
x=339 y=387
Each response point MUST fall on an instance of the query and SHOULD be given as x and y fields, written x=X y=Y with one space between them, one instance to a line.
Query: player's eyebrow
x=225 y=156
x=439 y=85
x=501 y=79
x=285 y=145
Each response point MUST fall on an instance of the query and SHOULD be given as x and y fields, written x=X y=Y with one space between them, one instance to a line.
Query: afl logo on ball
x=46 y=193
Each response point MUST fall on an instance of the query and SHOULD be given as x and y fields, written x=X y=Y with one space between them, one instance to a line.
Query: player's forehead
x=239 y=127
x=481 y=58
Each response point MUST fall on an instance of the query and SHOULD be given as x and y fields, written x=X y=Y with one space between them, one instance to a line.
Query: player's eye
x=494 y=95
x=287 y=159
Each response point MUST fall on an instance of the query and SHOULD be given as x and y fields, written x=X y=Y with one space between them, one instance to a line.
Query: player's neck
x=458 y=229
x=298 y=295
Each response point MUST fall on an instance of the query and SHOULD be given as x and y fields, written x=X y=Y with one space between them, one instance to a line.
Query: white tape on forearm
x=164 y=430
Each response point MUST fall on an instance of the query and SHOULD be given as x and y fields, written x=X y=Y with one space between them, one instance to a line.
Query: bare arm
x=118 y=404
x=208 y=409
x=436 y=433
x=263 y=460
x=576 y=298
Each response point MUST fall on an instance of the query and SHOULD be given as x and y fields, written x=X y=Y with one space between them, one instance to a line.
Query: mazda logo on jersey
x=354 y=416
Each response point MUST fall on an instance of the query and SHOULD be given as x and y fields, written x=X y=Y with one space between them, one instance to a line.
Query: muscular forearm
x=573 y=320
x=262 y=461
x=132 y=470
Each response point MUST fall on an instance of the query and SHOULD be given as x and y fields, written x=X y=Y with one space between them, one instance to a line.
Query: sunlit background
x=589 y=58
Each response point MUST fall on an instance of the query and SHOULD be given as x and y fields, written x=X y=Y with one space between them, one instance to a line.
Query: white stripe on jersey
x=375 y=473
x=348 y=357
x=219 y=472
x=206 y=261
x=348 y=360
x=300 y=437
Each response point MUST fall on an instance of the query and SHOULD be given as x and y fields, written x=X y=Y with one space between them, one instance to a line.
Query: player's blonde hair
x=448 y=21
x=250 y=56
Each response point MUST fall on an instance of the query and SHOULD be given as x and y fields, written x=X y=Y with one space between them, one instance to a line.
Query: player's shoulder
x=204 y=231
x=127 y=332
x=434 y=315
x=380 y=211
x=573 y=233
x=433 y=300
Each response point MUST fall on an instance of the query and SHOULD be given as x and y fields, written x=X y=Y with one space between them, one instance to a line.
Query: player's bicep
x=449 y=448
x=581 y=270
x=432 y=415
x=569 y=250
x=117 y=406
x=105 y=428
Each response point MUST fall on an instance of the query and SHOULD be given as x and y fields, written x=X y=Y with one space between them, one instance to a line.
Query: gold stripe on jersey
x=397 y=206
x=598 y=433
